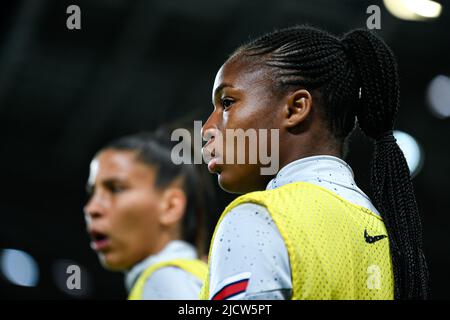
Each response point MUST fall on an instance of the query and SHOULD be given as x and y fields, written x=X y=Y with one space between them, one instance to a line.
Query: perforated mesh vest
x=333 y=248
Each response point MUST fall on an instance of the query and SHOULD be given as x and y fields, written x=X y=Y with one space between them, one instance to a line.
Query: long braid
x=357 y=78
x=391 y=183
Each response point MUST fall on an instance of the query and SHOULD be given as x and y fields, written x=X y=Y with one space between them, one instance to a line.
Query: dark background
x=135 y=65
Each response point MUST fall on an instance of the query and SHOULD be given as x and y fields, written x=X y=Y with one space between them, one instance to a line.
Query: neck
x=308 y=147
x=161 y=242
x=298 y=156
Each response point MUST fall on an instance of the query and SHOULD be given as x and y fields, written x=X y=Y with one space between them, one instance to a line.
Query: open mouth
x=99 y=241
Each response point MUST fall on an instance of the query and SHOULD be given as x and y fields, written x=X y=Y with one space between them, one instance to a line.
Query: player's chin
x=230 y=181
x=113 y=262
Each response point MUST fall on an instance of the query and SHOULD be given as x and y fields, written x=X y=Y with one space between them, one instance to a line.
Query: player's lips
x=99 y=240
x=212 y=165
x=210 y=150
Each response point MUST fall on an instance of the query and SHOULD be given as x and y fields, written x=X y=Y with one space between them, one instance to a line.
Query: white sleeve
x=249 y=251
x=171 y=283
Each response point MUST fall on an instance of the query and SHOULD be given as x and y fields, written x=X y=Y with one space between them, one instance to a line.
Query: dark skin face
x=244 y=98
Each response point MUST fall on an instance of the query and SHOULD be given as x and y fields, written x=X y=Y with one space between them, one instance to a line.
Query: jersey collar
x=315 y=168
x=175 y=249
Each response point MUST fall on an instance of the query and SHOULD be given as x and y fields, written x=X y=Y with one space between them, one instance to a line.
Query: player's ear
x=172 y=206
x=297 y=108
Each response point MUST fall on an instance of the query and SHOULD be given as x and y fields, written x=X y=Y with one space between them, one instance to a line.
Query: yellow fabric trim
x=197 y=268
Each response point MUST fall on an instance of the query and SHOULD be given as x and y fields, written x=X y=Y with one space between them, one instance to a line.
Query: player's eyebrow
x=220 y=88
x=107 y=182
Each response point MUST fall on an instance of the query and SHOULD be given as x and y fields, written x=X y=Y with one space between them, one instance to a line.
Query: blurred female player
x=312 y=233
x=144 y=215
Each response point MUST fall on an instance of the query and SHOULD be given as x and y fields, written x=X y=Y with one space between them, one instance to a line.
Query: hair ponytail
x=376 y=71
x=356 y=76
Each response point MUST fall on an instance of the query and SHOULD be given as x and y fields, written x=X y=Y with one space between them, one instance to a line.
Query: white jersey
x=164 y=283
x=248 y=248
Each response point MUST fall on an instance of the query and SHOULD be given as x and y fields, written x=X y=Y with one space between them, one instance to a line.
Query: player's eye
x=227 y=103
x=114 y=187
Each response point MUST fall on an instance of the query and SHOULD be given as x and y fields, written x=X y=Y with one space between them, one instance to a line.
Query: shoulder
x=247 y=242
x=245 y=213
x=243 y=224
x=169 y=283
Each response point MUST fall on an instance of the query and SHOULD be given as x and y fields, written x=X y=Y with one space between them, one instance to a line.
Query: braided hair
x=356 y=81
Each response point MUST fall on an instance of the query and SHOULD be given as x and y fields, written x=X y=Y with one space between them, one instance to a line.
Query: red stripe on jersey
x=231 y=290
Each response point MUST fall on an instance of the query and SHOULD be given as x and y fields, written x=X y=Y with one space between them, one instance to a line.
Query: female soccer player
x=144 y=215
x=309 y=232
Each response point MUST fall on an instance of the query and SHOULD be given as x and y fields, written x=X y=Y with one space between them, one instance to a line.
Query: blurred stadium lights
x=413 y=9
x=19 y=268
x=438 y=96
x=412 y=151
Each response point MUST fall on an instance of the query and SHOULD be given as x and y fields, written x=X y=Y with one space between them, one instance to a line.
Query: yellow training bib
x=337 y=250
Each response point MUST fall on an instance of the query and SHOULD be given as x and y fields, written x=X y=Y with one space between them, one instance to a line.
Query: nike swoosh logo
x=373 y=239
